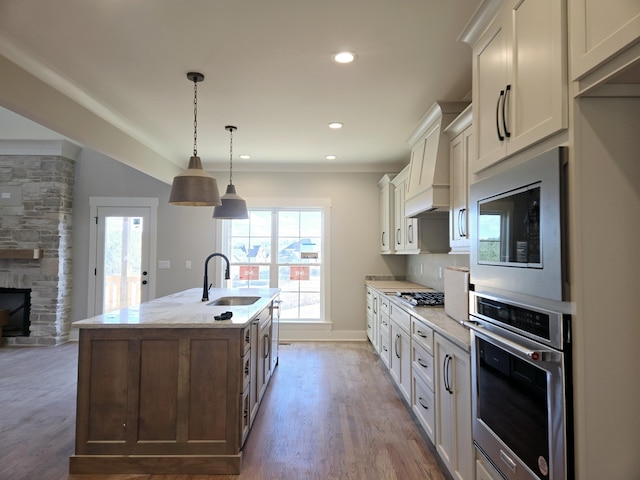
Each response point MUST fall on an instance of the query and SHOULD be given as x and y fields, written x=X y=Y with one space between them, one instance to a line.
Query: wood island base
x=156 y=465
x=171 y=399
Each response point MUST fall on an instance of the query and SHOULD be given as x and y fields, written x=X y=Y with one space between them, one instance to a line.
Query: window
x=281 y=247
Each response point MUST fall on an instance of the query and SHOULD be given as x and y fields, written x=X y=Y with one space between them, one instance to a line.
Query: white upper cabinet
x=519 y=79
x=460 y=150
x=406 y=233
x=385 y=235
x=399 y=233
x=601 y=29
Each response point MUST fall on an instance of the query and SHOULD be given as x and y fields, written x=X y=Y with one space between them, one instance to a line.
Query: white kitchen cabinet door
x=423 y=405
x=490 y=64
x=400 y=358
x=386 y=237
x=461 y=146
x=453 y=436
x=407 y=233
x=600 y=30
x=373 y=320
x=399 y=233
x=520 y=91
x=385 y=340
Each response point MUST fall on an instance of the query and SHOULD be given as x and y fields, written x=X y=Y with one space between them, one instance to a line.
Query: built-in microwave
x=517 y=225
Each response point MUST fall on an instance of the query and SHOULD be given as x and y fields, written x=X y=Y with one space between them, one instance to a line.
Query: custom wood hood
x=21 y=253
x=428 y=187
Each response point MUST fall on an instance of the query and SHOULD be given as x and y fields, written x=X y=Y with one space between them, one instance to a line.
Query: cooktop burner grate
x=422 y=298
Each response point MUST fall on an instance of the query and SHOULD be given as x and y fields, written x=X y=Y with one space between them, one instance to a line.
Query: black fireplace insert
x=17 y=301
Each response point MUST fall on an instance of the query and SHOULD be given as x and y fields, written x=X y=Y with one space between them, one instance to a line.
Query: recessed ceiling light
x=344 y=57
x=335 y=125
x=330 y=157
x=245 y=157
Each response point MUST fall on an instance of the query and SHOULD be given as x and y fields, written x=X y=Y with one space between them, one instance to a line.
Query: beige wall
x=187 y=233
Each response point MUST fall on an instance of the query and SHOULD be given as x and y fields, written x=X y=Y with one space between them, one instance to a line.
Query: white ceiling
x=267 y=67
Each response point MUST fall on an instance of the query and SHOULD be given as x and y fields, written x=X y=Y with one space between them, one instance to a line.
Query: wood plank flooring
x=330 y=412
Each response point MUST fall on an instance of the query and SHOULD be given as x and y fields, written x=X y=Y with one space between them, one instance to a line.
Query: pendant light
x=194 y=186
x=233 y=206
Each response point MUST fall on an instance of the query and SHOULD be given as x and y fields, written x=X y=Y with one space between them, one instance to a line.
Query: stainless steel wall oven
x=521 y=391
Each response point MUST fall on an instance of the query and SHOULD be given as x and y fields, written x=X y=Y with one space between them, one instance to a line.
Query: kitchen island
x=164 y=388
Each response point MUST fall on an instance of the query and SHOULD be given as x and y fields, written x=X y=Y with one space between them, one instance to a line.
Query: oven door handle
x=535 y=355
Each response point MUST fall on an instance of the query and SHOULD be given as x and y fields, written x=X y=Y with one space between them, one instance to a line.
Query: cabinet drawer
x=422 y=364
x=384 y=321
x=246 y=335
x=384 y=304
x=246 y=371
x=400 y=316
x=422 y=334
x=423 y=405
x=263 y=317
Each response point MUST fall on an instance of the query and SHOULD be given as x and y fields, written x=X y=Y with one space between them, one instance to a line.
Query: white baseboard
x=318 y=332
x=74 y=334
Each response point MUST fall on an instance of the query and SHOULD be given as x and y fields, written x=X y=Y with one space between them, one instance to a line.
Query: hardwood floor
x=331 y=412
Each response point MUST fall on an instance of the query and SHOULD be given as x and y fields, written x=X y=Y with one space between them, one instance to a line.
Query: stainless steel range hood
x=428 y=188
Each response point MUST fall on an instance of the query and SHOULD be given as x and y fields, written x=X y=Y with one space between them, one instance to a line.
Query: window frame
x=299 y=204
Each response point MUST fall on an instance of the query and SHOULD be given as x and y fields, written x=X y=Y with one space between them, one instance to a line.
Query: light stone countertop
x=433 y=317
x=393 y=286
x=185 y=310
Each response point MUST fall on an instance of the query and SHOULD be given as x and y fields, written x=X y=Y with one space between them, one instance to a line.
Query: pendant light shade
x=194 y=186
x=233 y=206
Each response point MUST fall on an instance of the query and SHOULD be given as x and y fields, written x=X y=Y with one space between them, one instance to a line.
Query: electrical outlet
x=421 y=269
x=187 y=265
x=439 y=272
x=164 y=264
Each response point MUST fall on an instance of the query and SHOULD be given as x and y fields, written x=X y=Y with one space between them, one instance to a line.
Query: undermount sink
x=239 y=300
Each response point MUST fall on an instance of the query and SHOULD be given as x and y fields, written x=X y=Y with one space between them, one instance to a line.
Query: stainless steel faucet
x=205 y=288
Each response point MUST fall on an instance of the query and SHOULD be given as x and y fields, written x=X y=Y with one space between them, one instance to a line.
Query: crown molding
x=62 y=148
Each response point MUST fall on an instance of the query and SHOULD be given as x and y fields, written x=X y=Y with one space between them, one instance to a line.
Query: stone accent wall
x=42 y=220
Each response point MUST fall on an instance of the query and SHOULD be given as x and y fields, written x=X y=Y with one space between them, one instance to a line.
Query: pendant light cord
x=195 y=117
x=231 y=156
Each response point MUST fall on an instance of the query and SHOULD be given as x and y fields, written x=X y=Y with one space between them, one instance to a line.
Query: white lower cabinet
x=400 y=357
x=373 y=316
x=385 y=339
x=453 y=408
x=423 y=405
x=433 y=375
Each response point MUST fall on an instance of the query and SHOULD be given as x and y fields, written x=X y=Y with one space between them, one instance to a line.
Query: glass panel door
x=122 y=266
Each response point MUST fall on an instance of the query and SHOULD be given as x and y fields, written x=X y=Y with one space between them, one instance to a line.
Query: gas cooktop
x=422 y=298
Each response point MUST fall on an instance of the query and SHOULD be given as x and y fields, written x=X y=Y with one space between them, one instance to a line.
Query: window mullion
x=274 y=265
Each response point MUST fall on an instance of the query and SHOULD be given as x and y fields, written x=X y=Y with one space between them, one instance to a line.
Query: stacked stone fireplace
x=36 y=193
